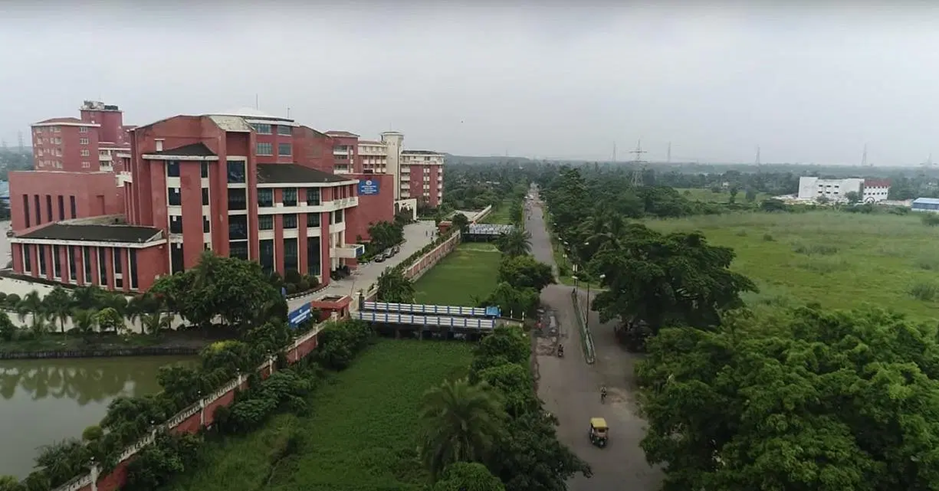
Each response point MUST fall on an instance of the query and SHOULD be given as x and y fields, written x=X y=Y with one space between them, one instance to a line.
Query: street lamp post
x=587 y=312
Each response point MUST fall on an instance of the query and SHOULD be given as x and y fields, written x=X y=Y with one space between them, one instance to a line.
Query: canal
x=43 y=401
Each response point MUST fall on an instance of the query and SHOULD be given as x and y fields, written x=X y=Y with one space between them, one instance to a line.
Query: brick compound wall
x=422 y=264
x=189 y=420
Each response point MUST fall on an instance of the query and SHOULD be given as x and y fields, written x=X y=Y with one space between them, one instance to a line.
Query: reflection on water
x=42 y=401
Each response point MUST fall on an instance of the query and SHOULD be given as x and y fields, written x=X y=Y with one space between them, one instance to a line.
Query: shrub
x=303 y=286
x=92 y=433
x=312 y=281
x=768 y=238
x=339 y=342
x=292 y=276
x=928 y=262
x=291 y=288
x=930 y=219
x=924 y=291
x=11 y=300
x=811 y=249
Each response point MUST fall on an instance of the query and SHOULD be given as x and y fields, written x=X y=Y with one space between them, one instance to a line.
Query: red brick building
x=243 y=184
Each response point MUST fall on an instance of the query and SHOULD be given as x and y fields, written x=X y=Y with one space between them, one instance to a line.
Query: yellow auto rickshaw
x=598 y=432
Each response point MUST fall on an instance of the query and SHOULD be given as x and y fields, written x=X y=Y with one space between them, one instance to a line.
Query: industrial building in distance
x=118 y=206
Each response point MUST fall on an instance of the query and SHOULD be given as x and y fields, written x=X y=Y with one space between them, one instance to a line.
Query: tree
x=734 y=190
x=852 y=197
x=525 y=272
x=10 y=483
x=517 y=242
x=109 y=320
x=84 y=321
x=514 y=382
x=666 y=279
x=30 y=304
x=155 y=322
x=461 y=422
x=465 y=476
x=58 y=306
x=235 y=290
x=7 y=328
x=393 y=286
x=805 y=399
x=460 y=222
x=384 y=235
x=750 y=195
x=517 y=302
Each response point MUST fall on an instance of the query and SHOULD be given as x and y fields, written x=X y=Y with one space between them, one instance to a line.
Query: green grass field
x=469 y=271
x=360 y=435
x=499 y=215
x=840 y=260
x=705 y=195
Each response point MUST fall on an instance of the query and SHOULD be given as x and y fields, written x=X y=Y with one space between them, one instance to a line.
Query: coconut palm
x=30 y=304
x=84 y=320
x=154 y=323
x=58 y=306
x=514 y=243
x=461 y=423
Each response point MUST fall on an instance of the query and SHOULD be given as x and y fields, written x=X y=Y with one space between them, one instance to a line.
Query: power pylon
x=639 y=163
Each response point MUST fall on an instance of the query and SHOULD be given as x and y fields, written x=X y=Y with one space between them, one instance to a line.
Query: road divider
x=585 y=336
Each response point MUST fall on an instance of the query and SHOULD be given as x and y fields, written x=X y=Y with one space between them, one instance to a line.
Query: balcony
x=348 y=251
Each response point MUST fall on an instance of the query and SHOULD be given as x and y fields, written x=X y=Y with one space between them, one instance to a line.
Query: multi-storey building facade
x=240 y=183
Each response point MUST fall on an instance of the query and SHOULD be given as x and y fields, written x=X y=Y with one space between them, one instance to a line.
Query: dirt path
x=570 y=388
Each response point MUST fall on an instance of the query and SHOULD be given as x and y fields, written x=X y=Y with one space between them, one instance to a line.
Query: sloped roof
x=95 y=233
x=191 y=150
x=293 y=173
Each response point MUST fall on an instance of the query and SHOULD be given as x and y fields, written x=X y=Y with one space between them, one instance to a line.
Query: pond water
x=43 y=401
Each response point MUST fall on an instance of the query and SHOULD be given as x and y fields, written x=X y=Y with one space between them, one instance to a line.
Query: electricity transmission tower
x=614 y=152
x=639 y=163
x=668 y=156
x=758 y=155
x=864 y=157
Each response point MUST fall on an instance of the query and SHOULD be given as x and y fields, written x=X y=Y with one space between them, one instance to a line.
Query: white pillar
x=94 y=478
x=202 y=413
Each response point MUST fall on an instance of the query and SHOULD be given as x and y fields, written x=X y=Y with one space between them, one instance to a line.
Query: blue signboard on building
x=493 y=311
x=296 y=317
x=368 y=187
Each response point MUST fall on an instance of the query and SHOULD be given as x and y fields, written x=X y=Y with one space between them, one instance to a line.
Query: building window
x=265 y=198
x=265 y=149
x=204 y=170
x=261 y=128
x=41 y=252
x=266 y=222
x=290 y=221
x=38 y=211
x=56 y=262
x=312 y=219
x=61 y=207
x=339 y=215
x=172 y=168
x=85 y=153
x=176 y=258
x=72 y=263
x=102 y=267
x=284 y=149
x=290 y=255
x=238 y=227
x=290 y=197
x=175 y=198
x=313 y=197
x=206 y=227
x=176 y=224
x=236 y=172
x=83 y=129
x=283 y=129
x=205 y=196
x=313 y=256
x=238 y=249
x=237 y=199
x=86 y=260
x=74 y=209
x=26 y=208
x=48 y=208
x=118 y=263
x=133 y=268
x=267 y=256
x=82 y=141
x=27 y=260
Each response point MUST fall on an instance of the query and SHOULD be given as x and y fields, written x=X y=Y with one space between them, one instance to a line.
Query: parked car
x=380 y=258
x=395 y=249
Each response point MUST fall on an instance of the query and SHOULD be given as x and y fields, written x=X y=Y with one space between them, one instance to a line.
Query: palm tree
x=84 y=321
x=58 y=306
x=154 y=323
x=514 y=243
x=461 y=423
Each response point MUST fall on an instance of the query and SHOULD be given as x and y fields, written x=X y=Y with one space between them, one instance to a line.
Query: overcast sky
x=805 y=84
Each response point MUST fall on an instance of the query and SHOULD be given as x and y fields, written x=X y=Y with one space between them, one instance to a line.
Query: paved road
x=570 y=388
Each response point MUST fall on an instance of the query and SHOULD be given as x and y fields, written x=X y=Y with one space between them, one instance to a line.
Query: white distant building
x=868 y=190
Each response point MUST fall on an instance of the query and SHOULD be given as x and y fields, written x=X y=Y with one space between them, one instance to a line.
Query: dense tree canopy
x=802 y=400
x=228 y=288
